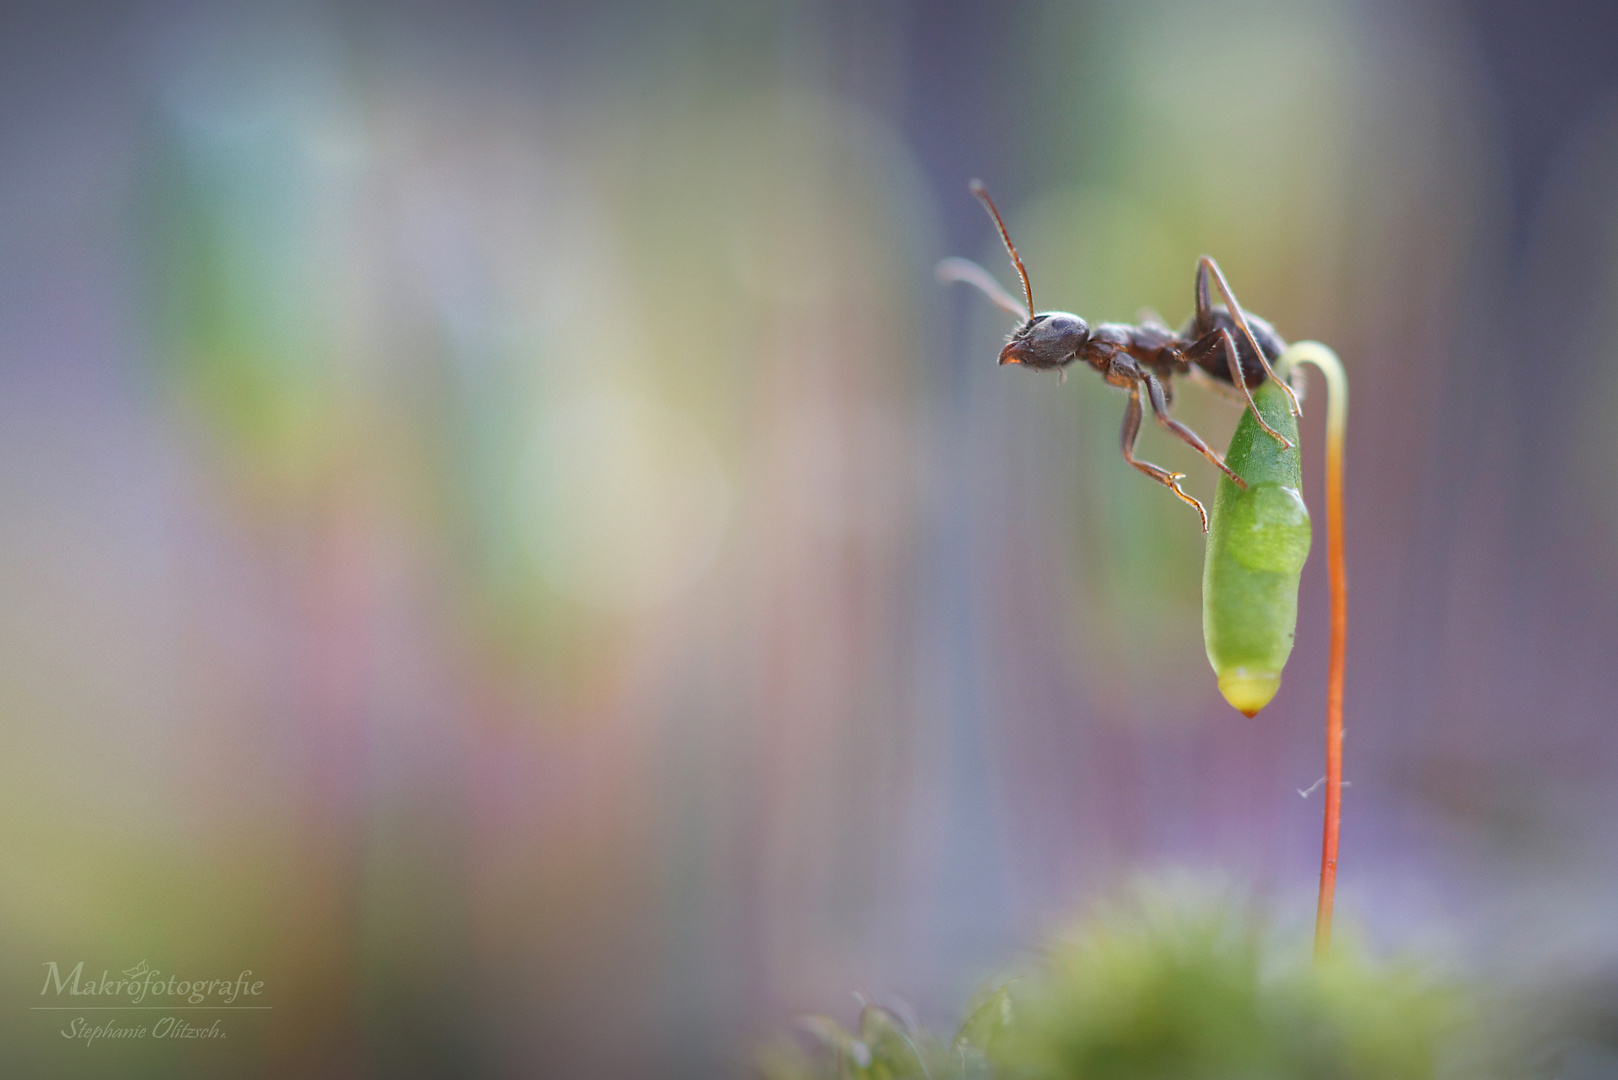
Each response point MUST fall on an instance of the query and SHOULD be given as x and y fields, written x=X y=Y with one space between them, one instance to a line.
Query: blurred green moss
x=1171 y=984
x=885 y=1046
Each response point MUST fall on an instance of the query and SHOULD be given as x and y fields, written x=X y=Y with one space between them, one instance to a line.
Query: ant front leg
x=1220 y=338
x=1170 y=480
x=1160 y=410
x=1205 y=266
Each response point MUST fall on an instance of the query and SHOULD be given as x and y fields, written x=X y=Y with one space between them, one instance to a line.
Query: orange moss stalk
x=1312 y=352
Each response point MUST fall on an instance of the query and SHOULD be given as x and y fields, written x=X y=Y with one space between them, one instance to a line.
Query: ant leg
x=1170 y=480
x=1205 y=346
x=1160 y=410
x=1204 y=316
x=1206 y=326
x=1215 y=339
x=1205 y=265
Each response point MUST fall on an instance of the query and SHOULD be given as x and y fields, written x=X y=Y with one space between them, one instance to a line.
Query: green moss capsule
x=1258 y=540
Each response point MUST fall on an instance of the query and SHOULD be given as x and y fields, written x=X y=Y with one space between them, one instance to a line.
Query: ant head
x=1049 y=340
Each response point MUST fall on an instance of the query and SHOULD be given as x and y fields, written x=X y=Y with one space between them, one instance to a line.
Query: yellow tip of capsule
x=1249 y=691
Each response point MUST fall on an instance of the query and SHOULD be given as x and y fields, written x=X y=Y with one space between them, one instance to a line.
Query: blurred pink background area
x=503 y=535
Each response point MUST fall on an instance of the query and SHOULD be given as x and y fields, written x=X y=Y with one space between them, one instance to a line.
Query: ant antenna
x=965 y=270
x=977 y=188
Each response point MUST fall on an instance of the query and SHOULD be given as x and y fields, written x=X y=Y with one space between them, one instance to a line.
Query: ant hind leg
x=1205 y=266
x=1170 y=480
x=1215 y=339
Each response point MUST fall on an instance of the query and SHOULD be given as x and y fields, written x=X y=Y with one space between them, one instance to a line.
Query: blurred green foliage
x=1174 y=984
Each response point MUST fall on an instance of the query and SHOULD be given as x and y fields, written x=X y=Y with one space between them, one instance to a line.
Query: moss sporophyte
x=1257 y=543
x=1187 y=988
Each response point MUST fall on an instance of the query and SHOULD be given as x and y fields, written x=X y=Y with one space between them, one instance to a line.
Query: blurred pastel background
x=502 y=534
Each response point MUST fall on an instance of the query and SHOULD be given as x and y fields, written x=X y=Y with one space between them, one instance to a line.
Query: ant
x=1147 y=355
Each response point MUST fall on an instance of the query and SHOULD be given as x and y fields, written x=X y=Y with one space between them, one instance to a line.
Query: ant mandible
x=1148 y=355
